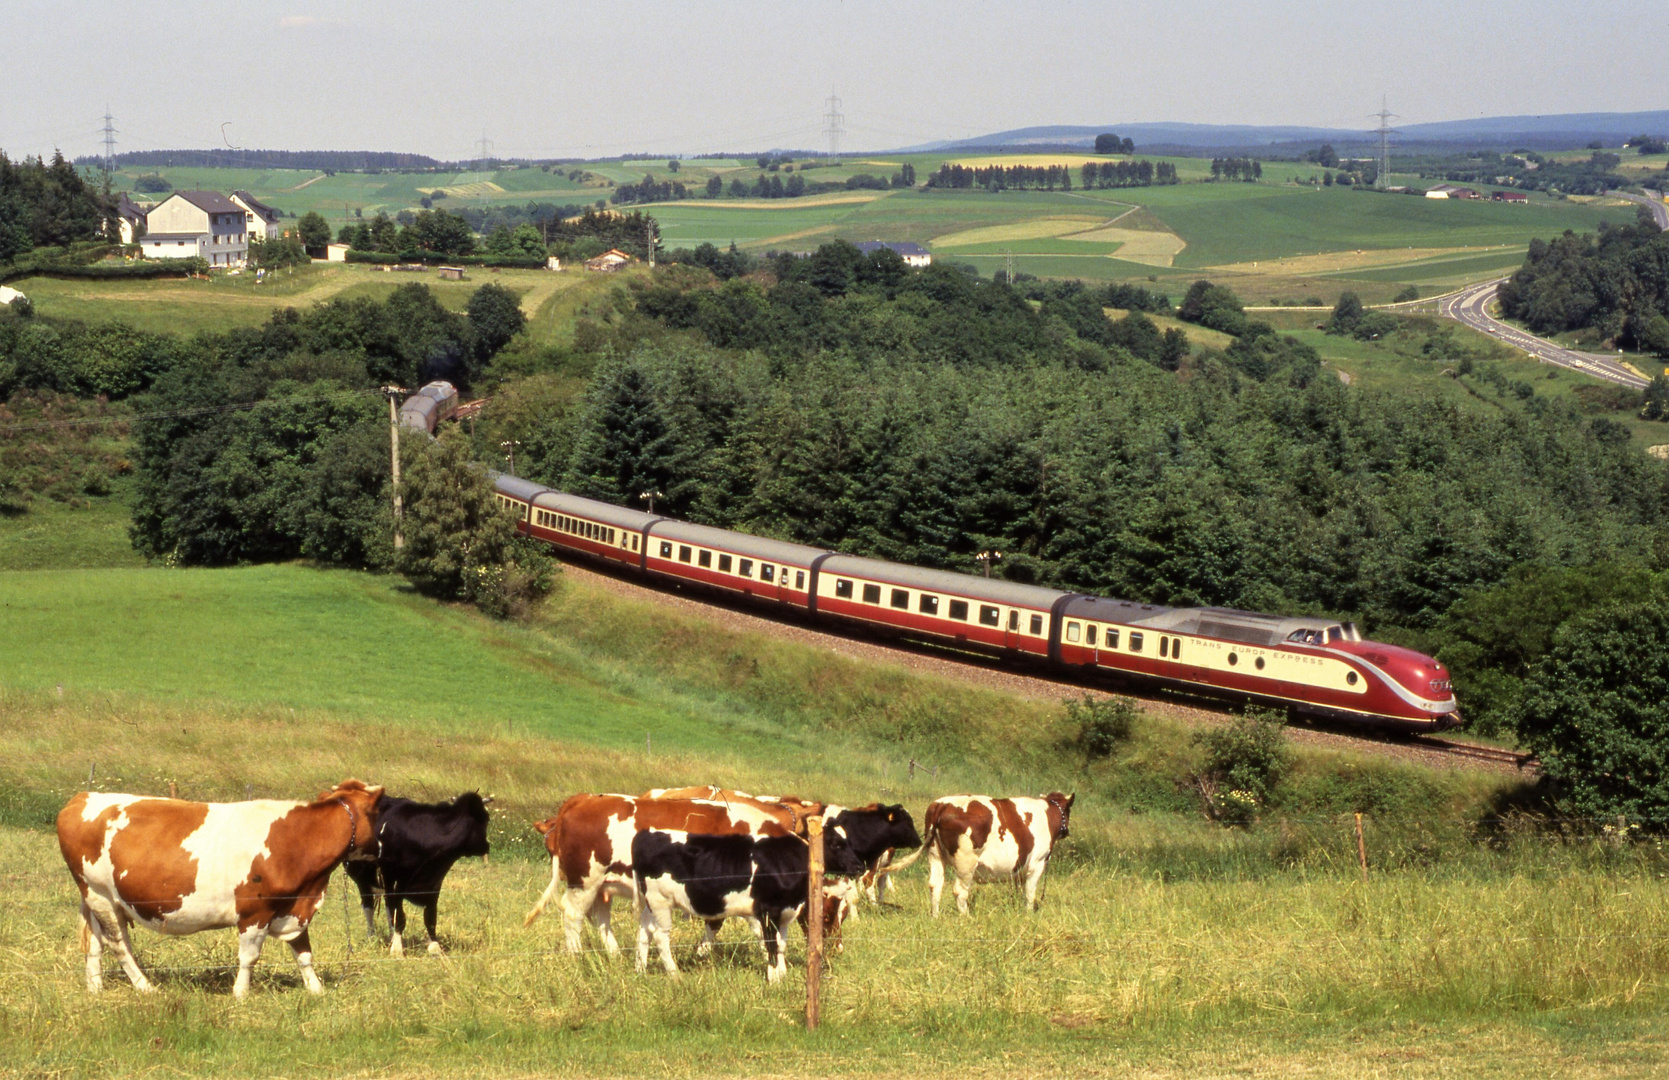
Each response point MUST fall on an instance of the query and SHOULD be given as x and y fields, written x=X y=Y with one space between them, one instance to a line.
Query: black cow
x=417 y=845
x=874 y=831
x=761 y=879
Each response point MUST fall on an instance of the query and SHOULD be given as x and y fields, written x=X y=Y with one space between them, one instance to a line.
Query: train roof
x=944 y=581
x=515 y=486
x=757 y=547
x=1251 y=627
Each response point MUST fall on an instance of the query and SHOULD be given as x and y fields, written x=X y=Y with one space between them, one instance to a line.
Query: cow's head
x=363 y=801
x=473 y=808
x=900 y=827
x=838 y=857
x=1062 y=805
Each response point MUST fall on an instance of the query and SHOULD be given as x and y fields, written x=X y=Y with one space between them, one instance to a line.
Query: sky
x=551 y=78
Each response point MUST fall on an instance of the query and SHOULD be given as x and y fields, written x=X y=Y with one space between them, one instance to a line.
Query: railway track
x=1516 y=758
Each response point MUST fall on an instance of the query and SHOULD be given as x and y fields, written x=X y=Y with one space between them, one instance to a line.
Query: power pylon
x=834 y=124
x=109 y=142
x=1384 y=132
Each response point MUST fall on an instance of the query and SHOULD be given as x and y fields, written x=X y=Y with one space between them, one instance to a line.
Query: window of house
x=705 y=558
x=990 y=616
x=872 y=594
x=724 y=563
x=929 y=604
x=901 y=599
x=959 y=610
x=843 y=588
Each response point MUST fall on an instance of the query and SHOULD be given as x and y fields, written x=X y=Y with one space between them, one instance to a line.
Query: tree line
x=1614 y=281
x=1245 y=169
x=1002 y=177
x=48 y=204
x=1123 y=174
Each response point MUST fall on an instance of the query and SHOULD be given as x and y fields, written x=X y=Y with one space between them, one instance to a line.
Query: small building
x=337 y=252
x=553 y=263
x=260 y=220
x=609 y=261
x=130 y=219
x=1518 y=198
x=197 y=224
x=1441 y=191
x=914 y=255
x=452 y=273
x=1464 y=193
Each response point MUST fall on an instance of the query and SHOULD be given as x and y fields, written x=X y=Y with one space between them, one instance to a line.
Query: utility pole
x=834 y=124
x=109 y=143
x=509 y=448
x=649 y=238
x=1008 y=268
x=1384 y=132
x=486 y=146
x=393 y=393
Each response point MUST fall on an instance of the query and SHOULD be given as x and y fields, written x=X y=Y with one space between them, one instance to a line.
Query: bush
x=1245 y=762
x=1408 y=295
x=1104 y=724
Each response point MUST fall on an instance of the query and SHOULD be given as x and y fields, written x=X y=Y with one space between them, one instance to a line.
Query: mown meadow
x=1166 y=944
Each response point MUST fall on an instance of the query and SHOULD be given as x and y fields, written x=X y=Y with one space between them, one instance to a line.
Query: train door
x=1011 y=637
x=1092 y=643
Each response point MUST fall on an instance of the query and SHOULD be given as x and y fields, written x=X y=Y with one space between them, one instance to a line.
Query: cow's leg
x=92 y=943
x=709 y=937
x=602 y=917
x=303 y=947
x=366 y=882
x=396 y=922
x=935 y=879
x=123 y=944
x=776 y=924
x=1034 y=876
x=431 y=912
x=965 y=864
x=249 y=951
x=655 y=920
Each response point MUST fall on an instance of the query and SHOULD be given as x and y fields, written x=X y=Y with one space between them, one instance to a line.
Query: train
x=1316 y=668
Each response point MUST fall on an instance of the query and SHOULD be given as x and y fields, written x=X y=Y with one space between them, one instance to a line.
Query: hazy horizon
x=565 y=80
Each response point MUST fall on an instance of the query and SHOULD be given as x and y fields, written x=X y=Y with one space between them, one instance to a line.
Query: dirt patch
x=1137 y=245
x=1030 y=229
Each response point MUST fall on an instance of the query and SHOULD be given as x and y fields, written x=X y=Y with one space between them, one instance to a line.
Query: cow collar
x=353 y=826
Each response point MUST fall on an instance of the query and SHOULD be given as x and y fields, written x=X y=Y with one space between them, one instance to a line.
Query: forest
x=1615 y=282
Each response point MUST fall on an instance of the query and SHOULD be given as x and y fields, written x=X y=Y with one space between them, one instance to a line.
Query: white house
x=913 y=254
x=130 y=218
x=260 y=220
x=200 y=224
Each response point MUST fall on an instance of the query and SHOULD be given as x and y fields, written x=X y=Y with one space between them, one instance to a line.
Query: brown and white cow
x=798 y=807
x=590 y=843
x=179 y=867
x=987 y=839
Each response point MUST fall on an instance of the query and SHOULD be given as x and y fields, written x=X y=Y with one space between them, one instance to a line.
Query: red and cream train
x=1316 y=667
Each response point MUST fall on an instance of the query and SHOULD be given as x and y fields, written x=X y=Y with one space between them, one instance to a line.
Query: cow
x=179 y=867
x=987 y=839
x=762 y=879
x=417 y=843
x=874 y=831
x=798 y=807
x=590 y=843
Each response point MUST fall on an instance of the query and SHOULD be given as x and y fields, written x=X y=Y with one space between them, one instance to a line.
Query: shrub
x=1245 y=762
x=1104 y=724
x=1407 y=295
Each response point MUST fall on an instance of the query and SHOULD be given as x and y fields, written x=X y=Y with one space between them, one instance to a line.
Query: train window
x=1135 y=642
x=1234 y=658
x=767 y=572
x=959 y=610
x=1037 y=625
x=666 y=550
x=683 y=553
x=1112 y=638
x=1176 y=649
x=1350 y=677
x=724 y=563
x=1334 y=633
x=872 y=594
x=634 y=541
x=1073 y=630
x=1014 y=620
x=799 y=579
x=1164 y=647
x=989 y=615
x=1259 y=663
x=746 y=569
x=843 y=588
x=1089 y=634
x=929 y=604
x=901 y=599
x=704 y=558
x=611 y=536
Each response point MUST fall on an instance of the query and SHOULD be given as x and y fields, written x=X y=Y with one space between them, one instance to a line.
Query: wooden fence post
x=814 y=921
x=1361 y=847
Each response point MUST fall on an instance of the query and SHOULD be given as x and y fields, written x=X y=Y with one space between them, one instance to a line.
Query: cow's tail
x=930 y=836
x=553 y=840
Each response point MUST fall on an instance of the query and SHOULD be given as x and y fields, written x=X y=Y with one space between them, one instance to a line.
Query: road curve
x=1470 y=307
x=1659 y=209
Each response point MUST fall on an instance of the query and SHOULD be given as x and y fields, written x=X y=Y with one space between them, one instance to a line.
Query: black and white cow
x=417 y=845
x=874 y=831
x=761 y=879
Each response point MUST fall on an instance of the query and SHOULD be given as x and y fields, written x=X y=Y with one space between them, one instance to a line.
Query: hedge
x=157 y=268
x=511 y=262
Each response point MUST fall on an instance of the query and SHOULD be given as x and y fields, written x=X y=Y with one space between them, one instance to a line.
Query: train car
x=981 y=613
x=1317 y=667
x=733 y=562
x=424 y=410
x=583 y=526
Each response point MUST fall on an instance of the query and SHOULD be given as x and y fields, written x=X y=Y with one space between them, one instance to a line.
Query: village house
x=261 y=221
x=609 y=261
x=130 y=219
x=914 y=255
x=197 y=224
x=1517 y=198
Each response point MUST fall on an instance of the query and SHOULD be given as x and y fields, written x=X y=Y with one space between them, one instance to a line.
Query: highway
x=1660 y=210
x=1471 y=307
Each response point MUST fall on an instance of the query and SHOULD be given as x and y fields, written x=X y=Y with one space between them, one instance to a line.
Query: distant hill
x=1535 y=132
x=338 y=160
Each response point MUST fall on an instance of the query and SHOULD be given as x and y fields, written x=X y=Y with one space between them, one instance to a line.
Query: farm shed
x=609 y=261
x=452 y=273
